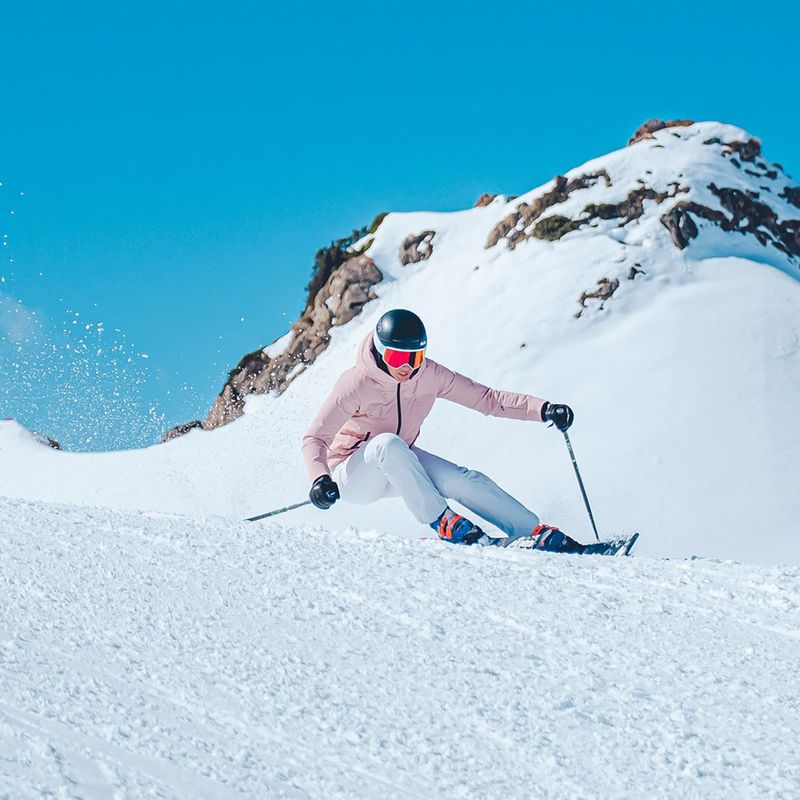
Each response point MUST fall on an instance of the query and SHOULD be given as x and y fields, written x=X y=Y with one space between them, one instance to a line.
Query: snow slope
x=148 y=655
x=682 y=385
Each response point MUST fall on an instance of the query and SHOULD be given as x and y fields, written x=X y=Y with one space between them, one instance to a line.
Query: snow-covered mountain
x=683 y=370
x=151 y=644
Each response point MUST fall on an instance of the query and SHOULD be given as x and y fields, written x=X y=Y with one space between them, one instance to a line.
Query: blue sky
x=169 y=171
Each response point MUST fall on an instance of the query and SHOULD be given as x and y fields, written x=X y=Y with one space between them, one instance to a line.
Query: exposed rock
x=680 y=224
x=416 y=247
x=748 y=216
x=47 y=440
x=327 y=259
x=792 y=194
x=752 y=216
x=340 y=286
x=746 y=151
x=553 y=228
x=484 y=200
x=180 y=430
x=605 y=288
x=647 y=130
x=635 y=270
x=631 y=208
x=514 y=227
x=347 y=290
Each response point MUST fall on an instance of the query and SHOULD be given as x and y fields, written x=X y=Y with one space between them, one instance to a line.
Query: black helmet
x=401 y=330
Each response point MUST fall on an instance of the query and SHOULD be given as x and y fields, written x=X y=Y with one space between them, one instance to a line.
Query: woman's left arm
x=466 y=392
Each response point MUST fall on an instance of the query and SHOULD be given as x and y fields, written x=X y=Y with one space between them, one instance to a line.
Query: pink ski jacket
x=367 y=401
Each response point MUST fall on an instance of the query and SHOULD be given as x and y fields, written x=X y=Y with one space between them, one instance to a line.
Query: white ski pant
x=387 y=467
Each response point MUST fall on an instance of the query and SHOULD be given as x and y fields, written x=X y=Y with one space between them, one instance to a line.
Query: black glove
x=560 y=415
x=324 y=492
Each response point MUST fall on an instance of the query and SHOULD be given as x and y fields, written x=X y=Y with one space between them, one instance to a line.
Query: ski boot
x=552 y=540
x=454 y=528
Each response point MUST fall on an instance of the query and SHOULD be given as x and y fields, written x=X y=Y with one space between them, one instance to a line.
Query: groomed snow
x=145 y=655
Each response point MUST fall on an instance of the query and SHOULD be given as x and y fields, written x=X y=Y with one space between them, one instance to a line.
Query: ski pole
x=580 y=483
x=278 y=511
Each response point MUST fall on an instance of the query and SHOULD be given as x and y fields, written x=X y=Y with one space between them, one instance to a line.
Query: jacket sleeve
x=339 y=406
x=493 y=402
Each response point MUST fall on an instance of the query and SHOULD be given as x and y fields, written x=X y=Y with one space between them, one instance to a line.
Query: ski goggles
x=399 y=358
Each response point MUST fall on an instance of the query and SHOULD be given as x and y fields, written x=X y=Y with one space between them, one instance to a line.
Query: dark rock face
x=343 y=296
x=681 y=226
x=748 y=152
x=180 y=430
x=647 y=130
x=745 y=151
x=792 y=194
x=416 y=247
x=632 y=207
x=552 y=228
x=514 y=227
x=748 y=215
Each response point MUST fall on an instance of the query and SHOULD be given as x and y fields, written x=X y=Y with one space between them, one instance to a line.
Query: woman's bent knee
x=383 y=447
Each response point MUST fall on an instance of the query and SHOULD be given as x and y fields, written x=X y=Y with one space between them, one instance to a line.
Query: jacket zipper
x=399 y=412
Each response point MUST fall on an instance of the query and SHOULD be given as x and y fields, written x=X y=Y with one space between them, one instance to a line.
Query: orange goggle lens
x=397 y=358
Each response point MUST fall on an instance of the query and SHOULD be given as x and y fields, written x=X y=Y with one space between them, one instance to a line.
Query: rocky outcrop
x=748 y=215
x=749 y=152
x=552 y=228
x=485 y=199
x=516 y=227
x=605 y=289
x=47 y=440
x=342 y=297
x=792 y=194
x=678 y=221
x=327 y=259
x=340 y=286
x=745 y=151
x=180 y=430
x=647 y=130
x=416 y=247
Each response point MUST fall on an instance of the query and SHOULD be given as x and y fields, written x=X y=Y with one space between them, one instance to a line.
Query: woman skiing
x=360 y=446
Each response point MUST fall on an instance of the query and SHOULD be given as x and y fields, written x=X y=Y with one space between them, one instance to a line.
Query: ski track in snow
x=149 y=655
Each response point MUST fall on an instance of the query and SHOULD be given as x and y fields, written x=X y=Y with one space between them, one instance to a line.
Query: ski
x=620 y=546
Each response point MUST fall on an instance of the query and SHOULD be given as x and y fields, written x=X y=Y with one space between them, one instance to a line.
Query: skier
x=360 y=446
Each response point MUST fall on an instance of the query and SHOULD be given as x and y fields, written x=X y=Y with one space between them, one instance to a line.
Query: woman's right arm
x=339 y=406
